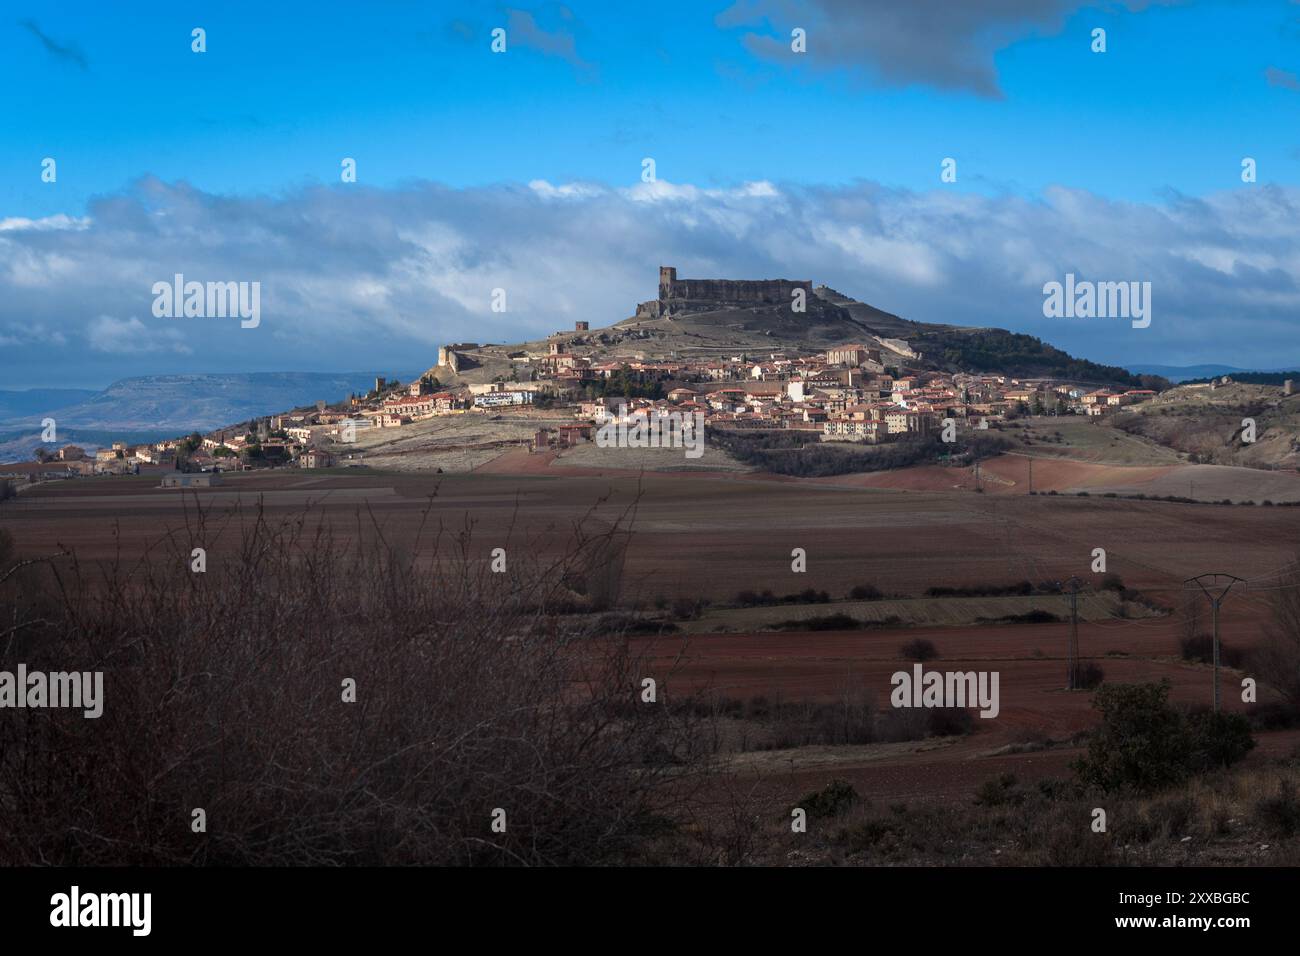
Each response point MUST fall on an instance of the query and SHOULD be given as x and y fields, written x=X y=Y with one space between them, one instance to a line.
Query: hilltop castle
x=680 y=296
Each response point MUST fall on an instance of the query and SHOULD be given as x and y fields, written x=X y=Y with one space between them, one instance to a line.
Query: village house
x=413 y=407
x=498 y=399
x=315 y=458
x=1100 y=397
x=305 y=434
x=902 y=421
x=446 y=402
x=851 y=355
x=729 y=400
x=844 y=428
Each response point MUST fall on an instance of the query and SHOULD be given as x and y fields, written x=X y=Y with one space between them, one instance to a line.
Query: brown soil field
x=1009 y=474
x=712 y=535
x=1031 y=666
x=707 y=535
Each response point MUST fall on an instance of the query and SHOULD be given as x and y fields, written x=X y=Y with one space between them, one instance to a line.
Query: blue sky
x=478 y=170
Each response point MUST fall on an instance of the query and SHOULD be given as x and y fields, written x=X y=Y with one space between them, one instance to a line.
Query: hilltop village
x=873 y=390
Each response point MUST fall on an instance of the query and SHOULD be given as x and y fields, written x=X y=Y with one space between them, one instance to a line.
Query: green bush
x=919 y=650
x=1143 y=744
x=866 y=592
x=830 y=801
x=950 y=722
x=999 y=792
x=1218 y=740
x=1201 y=648
x=1090 y=675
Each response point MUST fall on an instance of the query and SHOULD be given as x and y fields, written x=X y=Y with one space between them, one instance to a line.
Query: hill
x=1206 y=424
x=1024 y=356
x=1252 y=378
x=1183 y=373
x=1188 y=374
x=36 y=403
x=716 y=318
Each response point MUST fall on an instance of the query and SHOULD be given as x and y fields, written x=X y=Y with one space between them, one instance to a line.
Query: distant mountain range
x=37 y=402
x=153 y=407
x=1186 y=373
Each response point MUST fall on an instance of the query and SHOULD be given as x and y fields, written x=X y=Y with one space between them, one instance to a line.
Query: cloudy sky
x=523 y=171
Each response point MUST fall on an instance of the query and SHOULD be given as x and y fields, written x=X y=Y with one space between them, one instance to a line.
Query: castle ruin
x=449 y=357
x=682 y=296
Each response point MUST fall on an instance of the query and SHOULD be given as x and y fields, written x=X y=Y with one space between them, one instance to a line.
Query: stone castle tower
x=680 y=296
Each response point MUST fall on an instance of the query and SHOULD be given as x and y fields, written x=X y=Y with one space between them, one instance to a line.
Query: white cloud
x=60 y=221
x=565 y=191
x=369 y=278
x=132 y=337
x=31 y=333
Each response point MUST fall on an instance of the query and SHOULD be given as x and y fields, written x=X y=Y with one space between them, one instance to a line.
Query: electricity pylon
x=1216 y=579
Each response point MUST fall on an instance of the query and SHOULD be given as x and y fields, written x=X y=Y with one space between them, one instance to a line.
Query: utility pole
x=1072 y=651
x=1031 y=476
x=977 y=474
x=1215 y=581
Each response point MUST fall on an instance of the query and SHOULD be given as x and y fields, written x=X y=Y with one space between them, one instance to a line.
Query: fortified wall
x=448 y=357
x=680 y=296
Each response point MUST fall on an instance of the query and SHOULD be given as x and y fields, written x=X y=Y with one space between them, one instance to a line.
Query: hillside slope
x=831 y=318
x=1208 y=424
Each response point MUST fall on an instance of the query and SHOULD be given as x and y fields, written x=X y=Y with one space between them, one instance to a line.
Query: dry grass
x=224 y=690
x=1247 y=817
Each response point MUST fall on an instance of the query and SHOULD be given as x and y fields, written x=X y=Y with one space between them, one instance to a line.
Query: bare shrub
x=223 y=691
x=1277 y=658
x=847 y=721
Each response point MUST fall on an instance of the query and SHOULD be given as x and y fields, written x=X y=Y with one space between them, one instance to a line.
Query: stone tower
x=667 y=276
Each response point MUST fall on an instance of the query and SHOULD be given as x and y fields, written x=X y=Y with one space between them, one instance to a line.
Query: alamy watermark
x=75 y=908
x=922 y=688
x=208 y=300
x=83 y=690
x=1101 y=300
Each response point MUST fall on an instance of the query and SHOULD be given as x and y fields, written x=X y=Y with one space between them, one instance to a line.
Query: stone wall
x=702 y=295
x=447 y=354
